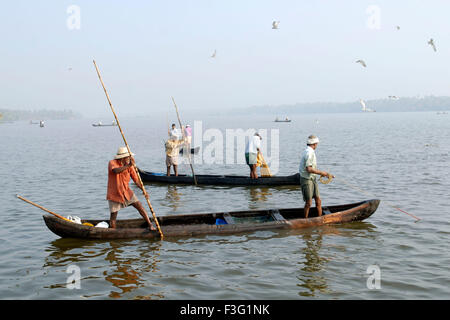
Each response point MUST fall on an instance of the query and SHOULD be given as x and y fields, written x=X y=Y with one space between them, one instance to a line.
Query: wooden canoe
x=224 y=180
x=188 y=225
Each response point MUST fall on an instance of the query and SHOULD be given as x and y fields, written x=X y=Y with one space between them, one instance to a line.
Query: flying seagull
x=363 y=104
x=431 y=43
x=393 y=97
x=275 y=24
x=214 y=54
x=362 y=63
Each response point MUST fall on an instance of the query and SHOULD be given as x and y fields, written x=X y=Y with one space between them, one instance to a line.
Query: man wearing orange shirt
x=119 y=194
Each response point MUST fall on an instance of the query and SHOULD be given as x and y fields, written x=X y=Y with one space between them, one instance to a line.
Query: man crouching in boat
x=308 y=176
x=119 y=194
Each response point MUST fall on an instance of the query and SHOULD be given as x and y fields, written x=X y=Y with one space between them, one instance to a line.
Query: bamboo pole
x=182 y=132
x=42 y=208
x=129 y=151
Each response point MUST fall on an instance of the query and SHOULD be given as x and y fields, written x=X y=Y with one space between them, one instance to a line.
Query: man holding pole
x=172 y=151
x=308 y=176
x=119 y=194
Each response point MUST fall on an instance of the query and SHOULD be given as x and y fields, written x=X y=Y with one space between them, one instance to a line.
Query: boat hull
x=190 y=225
x=148 y=176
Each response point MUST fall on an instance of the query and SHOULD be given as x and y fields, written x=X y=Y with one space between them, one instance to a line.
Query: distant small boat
x=100 y=124
x=41 y=124
x=193 y=150
x=283 y=120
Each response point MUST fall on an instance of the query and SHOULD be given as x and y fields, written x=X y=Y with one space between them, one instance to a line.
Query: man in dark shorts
x=308 y=176
x=251 y=154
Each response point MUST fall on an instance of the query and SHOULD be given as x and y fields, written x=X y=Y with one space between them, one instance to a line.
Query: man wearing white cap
x=119 y=194
x=308 y=176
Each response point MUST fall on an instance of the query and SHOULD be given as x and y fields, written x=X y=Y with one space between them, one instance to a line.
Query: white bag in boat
x=102 y=224
x=74 y=219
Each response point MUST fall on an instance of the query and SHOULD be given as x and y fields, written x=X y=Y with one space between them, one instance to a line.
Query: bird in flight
x=362 y=63
x=214 y=54
x=363 y=104
x=275 y=24
x=393 y=97
x=431 y=43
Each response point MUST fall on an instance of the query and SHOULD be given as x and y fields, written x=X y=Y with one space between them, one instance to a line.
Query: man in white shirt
x=174 y=132
x=308 y=176
x=251 y=154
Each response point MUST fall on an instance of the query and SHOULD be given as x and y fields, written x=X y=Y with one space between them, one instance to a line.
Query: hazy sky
x=149 y=51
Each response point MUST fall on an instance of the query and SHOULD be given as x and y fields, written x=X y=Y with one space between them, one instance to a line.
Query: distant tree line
x=402 y=104
x=16 y=115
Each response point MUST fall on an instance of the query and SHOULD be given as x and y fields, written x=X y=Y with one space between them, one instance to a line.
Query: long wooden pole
x=182 y=132
x=129 y=151
x=42 y=208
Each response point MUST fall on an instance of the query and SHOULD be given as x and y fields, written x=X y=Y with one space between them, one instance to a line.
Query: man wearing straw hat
x=119 y=194
x=308 y=176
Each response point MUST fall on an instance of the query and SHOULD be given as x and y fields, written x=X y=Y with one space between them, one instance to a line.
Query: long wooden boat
x=229 y=180
x=215 y=223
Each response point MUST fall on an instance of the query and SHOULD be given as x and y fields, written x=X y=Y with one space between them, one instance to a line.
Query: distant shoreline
x=18 y=115
x=401 y=104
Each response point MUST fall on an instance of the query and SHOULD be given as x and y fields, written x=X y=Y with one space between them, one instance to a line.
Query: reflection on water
x=311 y=279
x=127 y=263
x=258 y=195
x=173 y=197
x=315 y=256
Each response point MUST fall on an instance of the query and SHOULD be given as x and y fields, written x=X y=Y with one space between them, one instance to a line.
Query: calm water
x=401 y=158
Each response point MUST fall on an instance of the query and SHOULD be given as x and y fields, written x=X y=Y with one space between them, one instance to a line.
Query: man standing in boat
x=308 y=176
x=172 y=151
x=174 y=132
x=251 y=154
x=119 y=194
x=188 y=135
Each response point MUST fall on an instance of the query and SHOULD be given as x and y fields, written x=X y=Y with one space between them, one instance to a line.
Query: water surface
x=400 y=158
